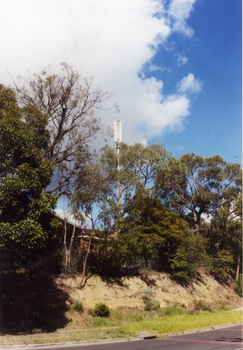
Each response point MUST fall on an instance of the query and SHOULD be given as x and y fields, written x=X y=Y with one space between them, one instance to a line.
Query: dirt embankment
x=127 y=292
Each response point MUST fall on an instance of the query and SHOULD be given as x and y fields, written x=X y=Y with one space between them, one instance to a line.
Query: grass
x=180 y=323
x=102 y=322
x=171 y=311
x=58 y=337
x=127 y=324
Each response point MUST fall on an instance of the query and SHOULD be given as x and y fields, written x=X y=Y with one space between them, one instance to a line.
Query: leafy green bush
x=77 y=306
x=221 y=265
x=189 y=255
x=101 y=310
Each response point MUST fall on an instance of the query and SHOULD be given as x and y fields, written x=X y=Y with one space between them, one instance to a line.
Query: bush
x=150 y=303
x=189 y=255
x=101 y=310
x=77 y=306
x=221 y=265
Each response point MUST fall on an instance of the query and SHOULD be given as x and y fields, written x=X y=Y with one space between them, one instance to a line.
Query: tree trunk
x=65 y=246
x=238 y=267
x=197 y=222
x=82 y=283
x=71 y=242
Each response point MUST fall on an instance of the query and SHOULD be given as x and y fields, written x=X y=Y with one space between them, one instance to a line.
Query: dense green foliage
x=27 y=226
x=189 y=256
x=196 y=185
x=101 y=310
x=149 y=215
x=225 y=243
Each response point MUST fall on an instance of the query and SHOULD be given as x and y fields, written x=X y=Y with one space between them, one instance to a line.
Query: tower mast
x=118 y=140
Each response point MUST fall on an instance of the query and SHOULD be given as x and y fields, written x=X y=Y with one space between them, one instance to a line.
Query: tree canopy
x=198 y=185
x=225 y=242
x=99 y=183
x=68 y=101
x=26 y=222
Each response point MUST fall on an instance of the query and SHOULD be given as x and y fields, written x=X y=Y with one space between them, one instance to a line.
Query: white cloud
x=181 y=60
x=189 y=84
x=110 y=40
x=179 y=11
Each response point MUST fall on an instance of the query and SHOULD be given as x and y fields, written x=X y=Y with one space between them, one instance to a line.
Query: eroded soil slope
x=127 y=292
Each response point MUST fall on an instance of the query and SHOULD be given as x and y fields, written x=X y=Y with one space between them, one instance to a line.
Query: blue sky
x=174 y=66
x=214 y=56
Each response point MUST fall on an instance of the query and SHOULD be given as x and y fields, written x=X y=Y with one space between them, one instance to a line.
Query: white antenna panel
x=118 y=131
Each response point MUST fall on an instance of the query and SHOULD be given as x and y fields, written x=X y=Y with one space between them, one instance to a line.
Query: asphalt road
x=229 y=338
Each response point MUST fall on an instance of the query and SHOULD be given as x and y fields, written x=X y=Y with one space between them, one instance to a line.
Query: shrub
x=101 y=310
x=150 y=303
x=77 y=306
x=221 y=265
x=189 y=255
